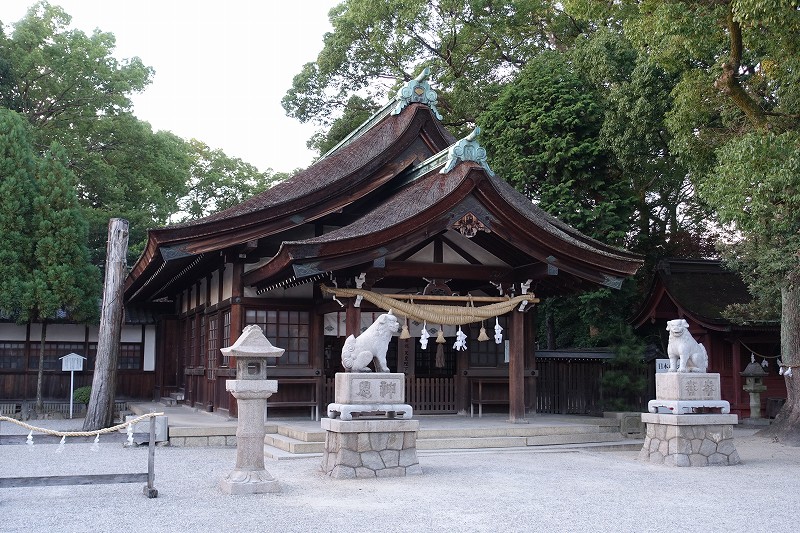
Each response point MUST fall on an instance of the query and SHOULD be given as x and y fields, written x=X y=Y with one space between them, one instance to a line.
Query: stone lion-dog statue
x=685 y=354
x=358 y=352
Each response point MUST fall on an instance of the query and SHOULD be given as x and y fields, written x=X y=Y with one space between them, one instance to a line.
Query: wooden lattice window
x=213 y=341
x=285 y=329
x=12 y=355
x=226 y=336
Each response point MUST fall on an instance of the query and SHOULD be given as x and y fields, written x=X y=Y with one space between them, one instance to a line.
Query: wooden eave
x=475 y=191
x=372 y=171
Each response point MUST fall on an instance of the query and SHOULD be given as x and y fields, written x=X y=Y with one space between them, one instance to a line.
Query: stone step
x=293 y=441
x=575 y=438
x=522 y=430
x=470 y=443
x=168 y=401
x=292 y=445
x=302 y=434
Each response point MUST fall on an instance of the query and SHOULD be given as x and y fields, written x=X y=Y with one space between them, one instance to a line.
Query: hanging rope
x=78 y=433
x=437 y=314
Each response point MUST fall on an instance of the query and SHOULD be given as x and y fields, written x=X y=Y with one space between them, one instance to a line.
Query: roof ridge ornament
x=417 y=90
x=467 y=149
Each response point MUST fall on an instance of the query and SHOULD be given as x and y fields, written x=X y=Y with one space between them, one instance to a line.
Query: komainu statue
x=685 y=354
x=359 y=351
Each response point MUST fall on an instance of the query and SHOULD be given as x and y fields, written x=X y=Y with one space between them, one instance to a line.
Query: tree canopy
x=70 y=88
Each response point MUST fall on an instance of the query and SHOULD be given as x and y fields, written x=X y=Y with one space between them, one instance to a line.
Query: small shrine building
x=700 y=290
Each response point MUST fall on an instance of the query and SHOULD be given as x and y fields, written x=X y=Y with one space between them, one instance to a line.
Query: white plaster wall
x=149 y=349
x=131 y=333
x=227 y=281
x=214 y=288
x=203 y=291
x=94 y=333
x=12 y=332
x=59 y=332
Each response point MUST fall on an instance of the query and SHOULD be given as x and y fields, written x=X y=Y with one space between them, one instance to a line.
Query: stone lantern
x=251 y=388
x=754 y=384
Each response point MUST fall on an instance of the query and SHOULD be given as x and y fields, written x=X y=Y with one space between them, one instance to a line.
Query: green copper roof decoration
x=467 y=149
x=417 y=90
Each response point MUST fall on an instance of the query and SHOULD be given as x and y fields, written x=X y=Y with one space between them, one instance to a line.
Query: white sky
x=221 y=66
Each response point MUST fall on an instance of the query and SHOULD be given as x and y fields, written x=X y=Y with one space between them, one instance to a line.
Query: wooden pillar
x=530 y=361
x=462 y=382
x=516 y=368
x=736 y=358
x=237 y=322
x=353 y=319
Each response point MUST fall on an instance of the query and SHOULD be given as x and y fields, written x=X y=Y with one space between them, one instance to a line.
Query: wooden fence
x=569 y=386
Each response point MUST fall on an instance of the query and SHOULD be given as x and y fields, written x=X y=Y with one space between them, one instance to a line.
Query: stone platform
x=689 y=440
x=370 y=448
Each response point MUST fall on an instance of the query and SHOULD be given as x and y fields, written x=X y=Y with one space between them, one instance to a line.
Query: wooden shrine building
x=401 y=211
x=699 y=290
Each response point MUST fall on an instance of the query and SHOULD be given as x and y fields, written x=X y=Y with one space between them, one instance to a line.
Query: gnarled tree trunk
x=786 y=427
x=100 y=412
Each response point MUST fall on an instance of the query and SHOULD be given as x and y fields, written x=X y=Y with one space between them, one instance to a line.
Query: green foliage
x=355 y=113
x=217 y=181
x=756 y=189
x=543 y=135
x=44 y=261
x=63 y=278
x=82 y=394
x=471 y=46
x=17 y=186
x=624 y=380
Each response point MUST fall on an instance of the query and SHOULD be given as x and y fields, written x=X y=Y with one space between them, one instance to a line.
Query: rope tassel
x=482 y=336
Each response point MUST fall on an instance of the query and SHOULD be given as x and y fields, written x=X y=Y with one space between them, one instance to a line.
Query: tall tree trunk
x=40 y=373
x=100 y=412
x=786 y=428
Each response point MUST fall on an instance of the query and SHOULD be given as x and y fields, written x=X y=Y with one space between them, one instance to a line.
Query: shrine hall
x=399 y=216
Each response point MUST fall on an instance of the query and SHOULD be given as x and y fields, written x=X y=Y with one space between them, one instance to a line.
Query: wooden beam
x=87 y=479
x=445 y=271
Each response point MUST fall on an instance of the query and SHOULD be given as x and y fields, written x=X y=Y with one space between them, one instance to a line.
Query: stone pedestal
x=250 y=476
x=684 y=393
x=370 y=394
x=689 y=440
x=686 y=436
x=370 y=448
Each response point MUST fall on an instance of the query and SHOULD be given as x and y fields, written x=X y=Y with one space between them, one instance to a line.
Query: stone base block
x=370 y=448
x=388 y=410
x=689 y=440
x=353 y=388
x=685 y=407
x=687 y=386
x=249 y=482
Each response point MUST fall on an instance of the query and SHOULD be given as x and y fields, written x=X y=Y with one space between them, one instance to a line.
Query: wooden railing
x=431 y=395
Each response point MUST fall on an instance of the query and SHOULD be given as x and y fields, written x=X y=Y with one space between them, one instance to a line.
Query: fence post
x=149 y=490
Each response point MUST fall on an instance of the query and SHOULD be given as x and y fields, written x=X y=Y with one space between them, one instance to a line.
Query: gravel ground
x=491 y=491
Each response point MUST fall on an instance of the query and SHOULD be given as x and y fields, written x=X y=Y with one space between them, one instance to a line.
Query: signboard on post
x=71 y=363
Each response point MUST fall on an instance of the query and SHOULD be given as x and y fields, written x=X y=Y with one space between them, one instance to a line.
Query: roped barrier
x=90 y=479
